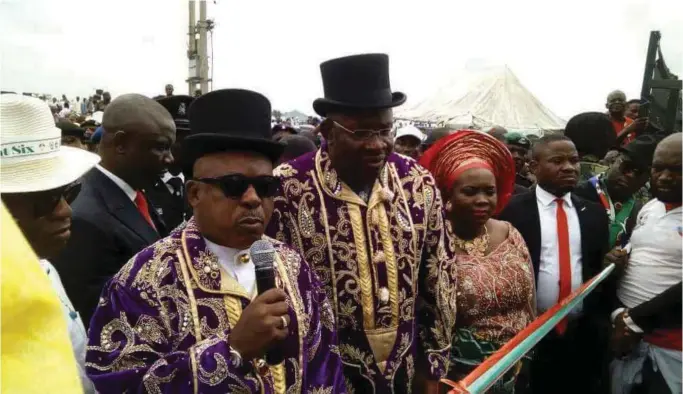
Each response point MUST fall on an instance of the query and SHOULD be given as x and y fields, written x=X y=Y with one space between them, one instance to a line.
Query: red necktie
x=565 y=260
x=143 y=208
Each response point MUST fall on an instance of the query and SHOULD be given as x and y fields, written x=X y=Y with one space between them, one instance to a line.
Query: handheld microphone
x=263 y=255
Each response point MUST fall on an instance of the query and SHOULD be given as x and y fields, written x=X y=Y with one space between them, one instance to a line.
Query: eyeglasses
x=366 y=134
x=45 y=202
x=234 y=186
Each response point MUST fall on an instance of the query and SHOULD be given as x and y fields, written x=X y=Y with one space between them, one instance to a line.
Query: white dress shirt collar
x=130 y=192
x=545 y=198
x=231 y=260
x=167 y=176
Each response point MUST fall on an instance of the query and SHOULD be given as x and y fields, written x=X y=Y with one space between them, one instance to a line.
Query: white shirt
x=64 y=112
x=130 y=192
x=229 y=260
x=77 y=334
x=167 y=176
x=548 y=284
x=654 y=264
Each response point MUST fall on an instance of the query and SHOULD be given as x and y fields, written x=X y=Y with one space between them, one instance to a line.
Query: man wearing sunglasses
x=38 y=181
x=617 y=189
x=370 y=222
x=185 y=314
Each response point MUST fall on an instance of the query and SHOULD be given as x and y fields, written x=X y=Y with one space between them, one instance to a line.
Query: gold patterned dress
x=495 y=301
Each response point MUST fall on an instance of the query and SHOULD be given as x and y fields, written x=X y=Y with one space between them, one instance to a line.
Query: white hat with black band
x=31 y=156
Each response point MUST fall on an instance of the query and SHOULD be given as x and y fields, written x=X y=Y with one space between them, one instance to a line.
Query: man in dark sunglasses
x=371 y=223
x=618 y=190
x=39 y=179
x=198 y=321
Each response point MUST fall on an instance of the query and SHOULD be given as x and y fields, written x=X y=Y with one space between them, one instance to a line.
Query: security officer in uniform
x=168 y=193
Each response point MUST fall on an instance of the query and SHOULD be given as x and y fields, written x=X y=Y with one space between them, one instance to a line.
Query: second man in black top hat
x=371 y=222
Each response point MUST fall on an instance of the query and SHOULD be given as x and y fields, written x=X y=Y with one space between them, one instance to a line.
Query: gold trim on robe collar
x=205 y=268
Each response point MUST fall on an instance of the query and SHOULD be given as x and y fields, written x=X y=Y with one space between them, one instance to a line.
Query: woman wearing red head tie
x=476 y=173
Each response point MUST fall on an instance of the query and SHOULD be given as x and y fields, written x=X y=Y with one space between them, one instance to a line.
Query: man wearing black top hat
x=185 y=315
x=168 y=193
x=370 y=223
x=72 y=135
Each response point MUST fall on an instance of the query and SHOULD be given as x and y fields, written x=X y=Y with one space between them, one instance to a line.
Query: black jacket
x=522 y=212
x=172 y=209
x=106 y=231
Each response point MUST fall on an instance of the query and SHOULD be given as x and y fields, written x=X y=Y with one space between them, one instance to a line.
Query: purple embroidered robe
x=163 y=326
x=387 y=266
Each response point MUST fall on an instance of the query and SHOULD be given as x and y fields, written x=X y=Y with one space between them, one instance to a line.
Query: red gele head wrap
x=466 y=149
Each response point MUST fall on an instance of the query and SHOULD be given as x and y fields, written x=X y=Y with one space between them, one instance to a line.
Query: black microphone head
x=262 y=254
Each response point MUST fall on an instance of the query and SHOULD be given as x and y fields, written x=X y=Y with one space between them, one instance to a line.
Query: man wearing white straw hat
x=38 y=181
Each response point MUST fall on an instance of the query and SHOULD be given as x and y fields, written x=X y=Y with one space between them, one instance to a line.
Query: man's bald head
x=616 y=95
x=672 y=142
x=616 y=104
x=138 y=134
x=666 y=180
x=130 y=111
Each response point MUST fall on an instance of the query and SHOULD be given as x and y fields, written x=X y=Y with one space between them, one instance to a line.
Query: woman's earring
x=449 y=206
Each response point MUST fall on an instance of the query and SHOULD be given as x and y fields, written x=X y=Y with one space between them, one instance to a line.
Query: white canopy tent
x=484 y=99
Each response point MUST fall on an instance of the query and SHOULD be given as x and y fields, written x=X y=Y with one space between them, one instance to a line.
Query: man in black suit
x=112 y=219
x=168 y=192
x=567 y=239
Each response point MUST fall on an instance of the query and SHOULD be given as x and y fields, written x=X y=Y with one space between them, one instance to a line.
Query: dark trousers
x=575 y=363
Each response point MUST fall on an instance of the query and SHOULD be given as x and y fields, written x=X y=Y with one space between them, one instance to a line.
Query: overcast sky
x=569 y=54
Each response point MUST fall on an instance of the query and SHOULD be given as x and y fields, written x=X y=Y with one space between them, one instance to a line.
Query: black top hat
x=71 y=130
x=90 y=123
x=280 y=127
x=355 y=83
x=178 y=106
x=641 y=150
x=229 y=119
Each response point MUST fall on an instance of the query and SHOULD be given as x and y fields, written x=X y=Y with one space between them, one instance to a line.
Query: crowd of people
x=400 y=257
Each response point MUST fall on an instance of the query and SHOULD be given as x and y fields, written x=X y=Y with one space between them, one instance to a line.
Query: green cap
x=517 y=139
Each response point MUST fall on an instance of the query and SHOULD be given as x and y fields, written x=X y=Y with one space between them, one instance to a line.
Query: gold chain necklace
x=475 y=247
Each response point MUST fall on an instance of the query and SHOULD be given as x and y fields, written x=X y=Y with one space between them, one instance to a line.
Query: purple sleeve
x=280 y=222
x=437 y=289
x=324 y=369
x=130 y=349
